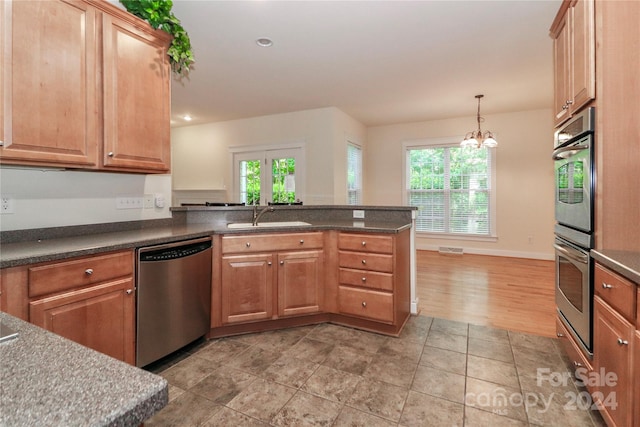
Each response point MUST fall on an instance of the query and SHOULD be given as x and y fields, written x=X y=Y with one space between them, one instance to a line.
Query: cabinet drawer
x=617 y=291
x=366 y=261
x=366 y=243
x=366 y=303
x=52 y=278
x=576 y=356
x=366 y=279
x=271 y=242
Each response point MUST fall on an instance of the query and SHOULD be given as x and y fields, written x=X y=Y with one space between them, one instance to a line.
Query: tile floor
x=437 y=373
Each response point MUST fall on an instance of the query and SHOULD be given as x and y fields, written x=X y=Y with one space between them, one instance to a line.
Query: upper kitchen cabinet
x=49 y=84
x=136 y=97
x=84 y=85
x=573 y=33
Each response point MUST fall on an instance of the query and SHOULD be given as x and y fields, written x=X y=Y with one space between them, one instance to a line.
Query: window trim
x=359 y=190
x=451 y=141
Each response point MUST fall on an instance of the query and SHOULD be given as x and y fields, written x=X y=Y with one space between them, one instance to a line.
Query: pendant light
x=476 y=138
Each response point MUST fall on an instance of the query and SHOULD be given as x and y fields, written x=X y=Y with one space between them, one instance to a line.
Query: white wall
x=524 y=178
x=53 y=198
x=201 y=156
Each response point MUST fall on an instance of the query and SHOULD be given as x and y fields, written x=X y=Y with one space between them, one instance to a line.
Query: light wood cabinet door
x=100 y=317
x=50 y=108
x=573 y=34
x=636 y=378
x=247 y=288
x=300 y=283
x=136 y=98
x=613 y=357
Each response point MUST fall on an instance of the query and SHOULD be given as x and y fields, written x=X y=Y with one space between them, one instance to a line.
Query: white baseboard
x=414 y=306
x=495 y=252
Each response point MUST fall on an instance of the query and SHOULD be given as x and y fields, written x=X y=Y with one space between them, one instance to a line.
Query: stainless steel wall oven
x=574 y=213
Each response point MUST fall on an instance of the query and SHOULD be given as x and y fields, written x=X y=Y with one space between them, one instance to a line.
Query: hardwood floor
x=508 y=293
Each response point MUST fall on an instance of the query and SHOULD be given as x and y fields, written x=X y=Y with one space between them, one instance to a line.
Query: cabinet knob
x=577 y=364
x=364 y=261
x=364 y=303
x=622 y=342
x=110 y=154
x=129 y=291
x=565 y=107
x=269 y=263
x=560 y=335
x=364 y=279
x=364 y=243
x=606 y=286
x=88 y=271
x=569 y=102
x=281 y=262
x=301 y=241
x=248 y=244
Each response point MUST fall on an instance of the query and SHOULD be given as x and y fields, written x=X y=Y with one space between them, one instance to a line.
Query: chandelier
x=477 y=138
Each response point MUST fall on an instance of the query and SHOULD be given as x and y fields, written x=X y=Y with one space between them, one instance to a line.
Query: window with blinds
x=451 y=186
x=354 y=174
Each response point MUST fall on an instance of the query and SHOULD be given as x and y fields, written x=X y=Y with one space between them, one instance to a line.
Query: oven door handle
x=565 y=250
x=566 y=152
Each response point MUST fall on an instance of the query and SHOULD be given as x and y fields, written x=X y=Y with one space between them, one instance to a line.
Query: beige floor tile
x=331 y=384
x=437 y=383
x=290 y=371
x=330 y=333
x=227 y=417
x=379 y=398
x=446 y=360
x=425 y=410
x=406 y=348
x=262 y=399
x=188 y=409
x=348 y=359
x=558 y=409
x=490 y=349
x=254 y=360
x=350 y=417
x=188 y=372
x=312 y=350
x=478 y=418
x=488 y=333
x=447 y=341
x=451 y=327
x=533 y=342
x=393 y=369
x=282 y=340
x=495 y=398
x=221 y=350
x=223 y=385
x=307 y=410
x=494 y=371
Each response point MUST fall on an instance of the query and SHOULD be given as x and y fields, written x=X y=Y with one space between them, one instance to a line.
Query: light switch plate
x=358 y=214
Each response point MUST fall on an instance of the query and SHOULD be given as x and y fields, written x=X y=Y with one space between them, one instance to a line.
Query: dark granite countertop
x=625 y=263
x=47 y=380
x=43 y=250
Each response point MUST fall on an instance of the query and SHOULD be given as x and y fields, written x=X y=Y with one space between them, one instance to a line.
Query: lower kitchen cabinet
x=89 y=300
x=99 y=317
x=300 y=282
x=613 y=361
x=636 y=375
x=580 y=363
x=268 y=276
x=247 y=288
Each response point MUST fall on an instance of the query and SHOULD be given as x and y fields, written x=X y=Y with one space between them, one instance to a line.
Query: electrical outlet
x=148 y=201
x=128 y=202
x=6 y=205
x=358 y=214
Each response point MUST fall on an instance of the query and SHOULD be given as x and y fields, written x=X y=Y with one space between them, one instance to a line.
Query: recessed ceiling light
x=187 y=117
x=264 y=42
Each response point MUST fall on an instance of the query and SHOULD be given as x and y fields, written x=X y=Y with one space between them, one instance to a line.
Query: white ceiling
x=381 y=62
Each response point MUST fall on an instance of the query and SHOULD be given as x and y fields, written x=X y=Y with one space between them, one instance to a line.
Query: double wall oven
x=574 y=212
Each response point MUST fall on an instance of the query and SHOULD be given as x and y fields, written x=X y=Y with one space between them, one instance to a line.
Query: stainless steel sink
x=268 y=224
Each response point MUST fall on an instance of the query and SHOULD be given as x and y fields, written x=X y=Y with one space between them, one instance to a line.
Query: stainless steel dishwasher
x=173 y=297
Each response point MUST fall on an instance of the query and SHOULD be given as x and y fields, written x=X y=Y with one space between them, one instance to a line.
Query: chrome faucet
x=257 y=215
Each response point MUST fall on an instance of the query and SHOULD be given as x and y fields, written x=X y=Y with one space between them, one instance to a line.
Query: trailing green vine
x=158 y=14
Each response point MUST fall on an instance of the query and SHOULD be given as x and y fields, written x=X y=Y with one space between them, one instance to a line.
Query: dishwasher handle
x=173 y=250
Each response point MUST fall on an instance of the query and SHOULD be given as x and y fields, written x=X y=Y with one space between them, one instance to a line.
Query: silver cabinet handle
x=129 y=291
x=301 y=241
x=88 y=271
x=281 y=262
x=364 y=261
x=622 y=342
x=364 y=243
x=606 y=286
x=248 y=244
x=110 y=154
x=364 y=303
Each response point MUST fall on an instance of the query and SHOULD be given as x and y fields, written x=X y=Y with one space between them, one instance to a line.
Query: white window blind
x=354 y=174
x=451 y=186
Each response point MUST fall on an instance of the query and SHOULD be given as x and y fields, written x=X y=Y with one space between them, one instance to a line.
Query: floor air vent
x=450 y=250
